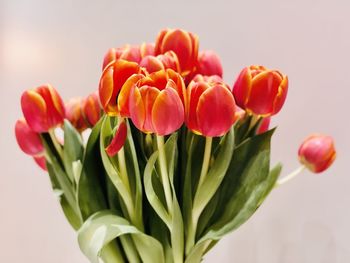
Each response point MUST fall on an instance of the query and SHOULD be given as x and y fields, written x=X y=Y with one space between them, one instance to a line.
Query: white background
x=63 y=42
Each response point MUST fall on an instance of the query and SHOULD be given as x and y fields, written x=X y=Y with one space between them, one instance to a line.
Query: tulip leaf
x=92 y=181
x=73 y=149
x=105 y=226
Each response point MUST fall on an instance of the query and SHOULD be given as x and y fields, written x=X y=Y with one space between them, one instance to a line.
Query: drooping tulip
x=260 y=91
x=28 y=140
x=154 y=102
x=317 y=152
x=111 y=82
x=74 y=113
x=183 y=43
x=91 y=109
x=211 y=106
x=42 y=108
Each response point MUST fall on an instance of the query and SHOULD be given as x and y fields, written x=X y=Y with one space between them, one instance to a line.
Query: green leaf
x=92 y=181
x=103 y=227
x=73 y=149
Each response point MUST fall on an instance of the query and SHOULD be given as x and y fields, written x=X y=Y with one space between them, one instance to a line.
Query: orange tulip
x=317 y=152
x=261 y=91
x=74 y=114
x=168 y=60
x=183 y=43
x=154 y=102
x=211 y=106
x=91 y=109
x=42 y=108
x=111 y=82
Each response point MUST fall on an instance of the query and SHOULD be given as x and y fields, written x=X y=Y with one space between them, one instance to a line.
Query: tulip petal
x=242 y=87
x=281 y=95
x=137 y=108
x=151 y=64
x=149 y=96
x=263 y=92
x=34 y=111
x=167 y=112
x=215 y=111
x=118 y=140
x=28 y=140
x=41 y=161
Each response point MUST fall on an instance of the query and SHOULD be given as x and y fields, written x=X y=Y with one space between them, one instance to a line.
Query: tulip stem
x=56 y=144
x=206 y=160
x=290 y=176
x=164 y=172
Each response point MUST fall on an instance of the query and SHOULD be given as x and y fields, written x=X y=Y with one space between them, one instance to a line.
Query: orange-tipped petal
x=137 y=108
x=281 y=95
x=28 y=140
x=74 y=114
x=131 y=53
x=317 y=152
x=242 y=87
x=151 y=64
x=149 y=95
x=215 y=111
x=147 y=49
x=41 y=161
x=167 y=112
x=118 y=140
x=91 y=109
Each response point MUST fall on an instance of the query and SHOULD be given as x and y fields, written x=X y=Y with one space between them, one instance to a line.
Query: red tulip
x=41 y=161
x=154 y=102
x=168 y=60
x=317 y=152
x=264 y=125
x=91 y=109
x=183 y=43
x=28 y=140
x=42 y=108
x=111 y=82
x=261 y=91
x=209 y=64
x=74 y=113
x=211 y=106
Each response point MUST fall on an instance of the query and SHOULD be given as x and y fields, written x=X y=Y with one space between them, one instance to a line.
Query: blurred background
x=63 y=43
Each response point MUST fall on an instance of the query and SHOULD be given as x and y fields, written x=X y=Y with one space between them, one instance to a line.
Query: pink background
x=63 y=42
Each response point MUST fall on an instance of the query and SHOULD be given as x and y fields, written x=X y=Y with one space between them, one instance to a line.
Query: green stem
x=111 y=254
x=57 y=146
x=193 y=222
x=290 y=176
x=164 y=173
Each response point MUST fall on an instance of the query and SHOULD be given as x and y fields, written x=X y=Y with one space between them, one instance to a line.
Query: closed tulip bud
x=168 y=60
x=42 y=108
x=91 y=109
x=317 y=152
x=211 y=106
x=28 y=140
x=75 y=115
x=111 y=82
x=127 y=52
x=264 y=125
x=155 y=105
x=41 y=161
x=261 y=91
x=183 y=43
x=209 y=64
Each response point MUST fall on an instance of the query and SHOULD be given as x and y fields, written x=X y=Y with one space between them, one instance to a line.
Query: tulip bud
x=209 y=64
x=74 y=114
x=183 y=43
x=127 y=52
x=264 y=125
x=154 y=102
x=28 y=140
x=111 y=82
x=317 y=152
x=260 y=91
x=42 y=108
x=91 y=109
x=211 y=106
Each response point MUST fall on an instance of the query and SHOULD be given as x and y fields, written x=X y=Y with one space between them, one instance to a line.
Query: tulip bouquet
x=175 y=158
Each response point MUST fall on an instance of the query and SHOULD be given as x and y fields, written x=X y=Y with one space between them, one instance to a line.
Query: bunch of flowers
x=175 y=159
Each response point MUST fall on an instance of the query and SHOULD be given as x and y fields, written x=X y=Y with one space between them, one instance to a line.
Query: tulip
x=183 y=43
x=264 y=125
x=91 y=109
x=154 y=102
x=28 y=140
x=127 y=52
x=42 y=108
x=261 y=91
x=317 y=152
x=41 y=161
x=111 y=82
x=74 y=113
x=211 y=106
x=168 y=60
x=209 y=64
x=146 y=49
